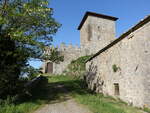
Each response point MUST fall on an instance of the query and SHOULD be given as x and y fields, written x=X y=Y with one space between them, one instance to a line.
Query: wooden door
x=49 y=68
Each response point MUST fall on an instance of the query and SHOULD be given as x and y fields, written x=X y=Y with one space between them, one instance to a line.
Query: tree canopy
x=26 y=27
x=29 y=22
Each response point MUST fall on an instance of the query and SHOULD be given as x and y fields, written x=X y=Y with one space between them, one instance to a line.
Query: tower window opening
x=89 y=30
x=116 y=89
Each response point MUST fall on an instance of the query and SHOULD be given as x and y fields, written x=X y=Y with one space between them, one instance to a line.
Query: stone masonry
x=122 y=68
x=96 y=31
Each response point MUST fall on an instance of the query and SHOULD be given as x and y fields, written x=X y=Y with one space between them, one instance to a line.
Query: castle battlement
x=63 y=48
x=66 y=47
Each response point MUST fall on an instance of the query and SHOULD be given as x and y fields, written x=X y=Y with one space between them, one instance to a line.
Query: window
x=89 y=31
x=98 y=28
x=116 y=89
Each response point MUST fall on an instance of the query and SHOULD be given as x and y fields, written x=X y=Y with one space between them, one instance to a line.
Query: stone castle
x=120 y=67
x=69 y=52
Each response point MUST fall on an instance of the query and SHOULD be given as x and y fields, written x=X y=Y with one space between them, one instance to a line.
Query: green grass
x=39 y=98
x=21 y=108
x=147 y=110
x=76 y=88
x=25 y=107
x=95 y=102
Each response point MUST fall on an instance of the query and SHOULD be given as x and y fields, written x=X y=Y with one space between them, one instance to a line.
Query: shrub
x=115 y=68
x=36 y=84
x=77 y=67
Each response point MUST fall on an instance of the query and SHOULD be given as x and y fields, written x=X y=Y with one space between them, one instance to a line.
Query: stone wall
x=131 y=56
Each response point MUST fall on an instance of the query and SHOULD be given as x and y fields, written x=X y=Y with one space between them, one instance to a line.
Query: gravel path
x=68 y=106
x=65 y=105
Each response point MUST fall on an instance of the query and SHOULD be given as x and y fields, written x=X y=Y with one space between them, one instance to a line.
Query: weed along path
x=63 y=104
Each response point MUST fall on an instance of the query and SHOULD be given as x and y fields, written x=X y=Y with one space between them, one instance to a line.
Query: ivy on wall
x=115 y=68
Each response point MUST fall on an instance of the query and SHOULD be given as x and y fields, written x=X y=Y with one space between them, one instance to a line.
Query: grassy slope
x=29 y=105
x=25 y=107
x=21 y=108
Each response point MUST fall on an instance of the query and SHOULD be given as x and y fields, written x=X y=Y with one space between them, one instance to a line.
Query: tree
x=26 y=27
x=29 y=22
x=52 y=54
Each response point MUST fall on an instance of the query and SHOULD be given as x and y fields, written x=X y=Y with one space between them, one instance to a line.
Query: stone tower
x=96 y=31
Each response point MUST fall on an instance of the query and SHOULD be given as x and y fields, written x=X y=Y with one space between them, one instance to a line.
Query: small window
x=116 y=89
x=89 y=31
x=98 y=28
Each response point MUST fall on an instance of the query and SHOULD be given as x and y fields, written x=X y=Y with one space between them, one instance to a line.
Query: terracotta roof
x=96 y=15
x=134 y=28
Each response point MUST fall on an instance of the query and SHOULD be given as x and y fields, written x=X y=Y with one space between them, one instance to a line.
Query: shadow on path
x=57 y=92
x=58 y=97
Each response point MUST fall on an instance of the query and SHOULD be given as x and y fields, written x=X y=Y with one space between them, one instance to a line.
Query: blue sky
x=70 y=12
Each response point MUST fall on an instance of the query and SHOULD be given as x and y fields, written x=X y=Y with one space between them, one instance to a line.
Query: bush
x=115 y=68
x=77 y=67
x=36 y=84
x=24 y=33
